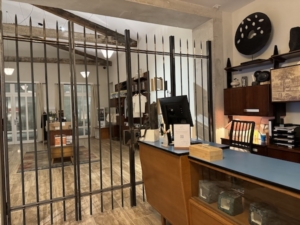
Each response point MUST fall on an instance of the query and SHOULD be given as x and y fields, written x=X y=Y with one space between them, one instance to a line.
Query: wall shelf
x=264 y=62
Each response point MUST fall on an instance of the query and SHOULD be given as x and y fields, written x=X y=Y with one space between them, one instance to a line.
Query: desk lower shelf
x=67 y=152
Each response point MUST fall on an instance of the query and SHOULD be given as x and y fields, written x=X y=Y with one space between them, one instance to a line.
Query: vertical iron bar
x=48 y=127
x=202 y=84
x=60 y=109
x=164 y=68
x=110 y=130
x=120 y=123
x=210 y=93
x=130 y=120
x=155 y=61
x=88 y=118
x=188 y=67
x=195 y=91
x=180 y=67
x=74 y=119
x=20 y=118
x=5 y=186
x=148 y=78
x=99 y=122
x=139 y=82
x=34 y=123
x=172 y=66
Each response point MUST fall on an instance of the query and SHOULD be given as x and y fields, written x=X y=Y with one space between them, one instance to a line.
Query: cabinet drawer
x=260 y=150
x=200 y=215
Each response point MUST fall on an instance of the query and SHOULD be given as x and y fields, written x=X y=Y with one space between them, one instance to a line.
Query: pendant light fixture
x=109 y=53
x=85 y=74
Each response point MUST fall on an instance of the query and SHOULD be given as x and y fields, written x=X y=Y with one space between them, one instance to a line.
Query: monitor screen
x=176 y=110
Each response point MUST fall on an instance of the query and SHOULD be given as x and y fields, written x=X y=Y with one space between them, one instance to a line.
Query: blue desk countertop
x=274 y=171
x=171 y=149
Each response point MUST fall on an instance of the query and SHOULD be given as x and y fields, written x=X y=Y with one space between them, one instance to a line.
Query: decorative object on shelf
x=244 y=81
x=261 y=76
x=253 y=33
x=235 y=83
x=209 y=191
x=284 y=84
x=294 y=42
x=230 y=202
x=160 y=84
x=262 y=214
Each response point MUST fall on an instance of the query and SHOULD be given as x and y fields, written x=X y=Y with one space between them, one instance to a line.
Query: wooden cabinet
x=251 y=101
x=214 y=200
x=273 y=151
x=284 y=153
x=234 y=101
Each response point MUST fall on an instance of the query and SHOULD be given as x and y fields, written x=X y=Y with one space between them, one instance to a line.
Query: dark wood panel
x=234 y=101
x=258 y=97
x=284 y=155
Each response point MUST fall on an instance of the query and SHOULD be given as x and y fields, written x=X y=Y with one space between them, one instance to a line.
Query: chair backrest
x=241 y=134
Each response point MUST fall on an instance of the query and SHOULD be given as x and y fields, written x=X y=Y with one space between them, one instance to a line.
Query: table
x=56 y=152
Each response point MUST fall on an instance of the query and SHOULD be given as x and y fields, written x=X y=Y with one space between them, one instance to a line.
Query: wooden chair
x=241 y=135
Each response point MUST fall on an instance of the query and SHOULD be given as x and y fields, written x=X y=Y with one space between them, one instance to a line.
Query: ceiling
x=164 y=12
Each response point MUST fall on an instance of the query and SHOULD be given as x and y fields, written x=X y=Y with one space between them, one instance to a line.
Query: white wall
x=52 y=70
x=283 y=15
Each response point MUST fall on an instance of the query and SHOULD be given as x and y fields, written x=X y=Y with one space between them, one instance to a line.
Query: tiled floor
x=143 y=213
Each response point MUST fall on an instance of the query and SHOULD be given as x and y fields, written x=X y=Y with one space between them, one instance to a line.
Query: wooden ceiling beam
x=9 y=30
x=101 y=61
x=87 y=23
x=49 y=60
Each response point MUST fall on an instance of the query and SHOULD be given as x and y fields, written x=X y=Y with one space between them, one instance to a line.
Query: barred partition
x=104 y=173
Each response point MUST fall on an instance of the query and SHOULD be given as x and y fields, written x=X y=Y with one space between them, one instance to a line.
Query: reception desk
x=171 y=179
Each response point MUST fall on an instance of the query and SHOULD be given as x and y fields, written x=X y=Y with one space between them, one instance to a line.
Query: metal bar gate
x=90 y=162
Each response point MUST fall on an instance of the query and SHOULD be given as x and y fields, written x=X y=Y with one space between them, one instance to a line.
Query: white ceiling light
x=85 y=74
x=9 y=71
x=109 y=53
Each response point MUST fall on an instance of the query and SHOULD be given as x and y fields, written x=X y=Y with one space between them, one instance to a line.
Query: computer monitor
x=175 y=110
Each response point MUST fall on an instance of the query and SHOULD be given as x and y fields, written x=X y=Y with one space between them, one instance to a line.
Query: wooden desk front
x=167 y=183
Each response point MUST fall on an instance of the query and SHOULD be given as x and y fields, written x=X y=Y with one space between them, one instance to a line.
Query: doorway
x=19 y=111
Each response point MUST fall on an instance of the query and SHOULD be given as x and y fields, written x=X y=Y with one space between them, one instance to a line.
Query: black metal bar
x=195 y=92
x=172 y=66
x=48 y=127
x=139 y=84
x=210 y=92
x=180 y=68
x=120 y=124
x=99 y=122
x=148 y=77
x=110 y=130
x=164 y=69
x=60 y=124
x=5 y=187
x=130 y=121
x=34 y=124
x=155 y=64
x=74 y=119
x=188 y=68
x=20 y=119
x=88 y=118
x=202 y=92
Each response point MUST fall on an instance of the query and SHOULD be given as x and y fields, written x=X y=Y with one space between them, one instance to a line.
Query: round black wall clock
x=253 y=33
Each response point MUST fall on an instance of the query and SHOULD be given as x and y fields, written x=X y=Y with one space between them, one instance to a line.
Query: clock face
x=253 y=33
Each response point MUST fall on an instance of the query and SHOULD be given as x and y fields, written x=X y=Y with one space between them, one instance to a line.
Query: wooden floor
x=143 y=213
